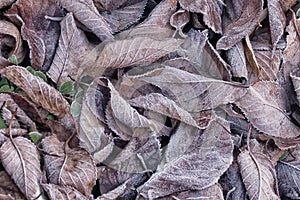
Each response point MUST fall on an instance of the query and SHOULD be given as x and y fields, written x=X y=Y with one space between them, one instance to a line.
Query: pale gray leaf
x=295 y=76
x=63 y=192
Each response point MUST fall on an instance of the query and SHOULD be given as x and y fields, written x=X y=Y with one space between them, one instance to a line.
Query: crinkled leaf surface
x=72 y=48
x=72 y=168
x=87 y=14
x=63 y=192
x=8 y=187
x=258 y=175
x=38 y=90
x=40 y=33
x=264 y=106
x=21 y=161
x=192 y=161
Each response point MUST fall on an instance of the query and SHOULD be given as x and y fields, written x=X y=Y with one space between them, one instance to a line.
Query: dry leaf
x=38 y=90
x=75 y=168
x=264 y=106
x=109 y=5
x=122 y=18
x=179 y=19
x=72 y=49
x=192 y=161
x=211 y=11
x=5 y=3
x=258 y=174
x=244 y=25
x=63 y=193
x=129 y=52
x=277 y=21
x=8 y=187
x=87 y=14
x=40 y=33
x=21 y=161
x=295 y=76
x=9 y=29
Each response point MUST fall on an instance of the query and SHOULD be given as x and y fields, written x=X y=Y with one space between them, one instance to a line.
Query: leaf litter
x=139 y=99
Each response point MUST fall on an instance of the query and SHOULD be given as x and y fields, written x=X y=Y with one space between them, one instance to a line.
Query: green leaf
x=35 y=137
x=3 y=81
x=75 y=109
x=41 y=75
x=2 y=123
x=30 y=69
x=50 y=117
x=79 y=95
x=6 y=88
x=67 y=88
x=13 y=59
x=283 y=156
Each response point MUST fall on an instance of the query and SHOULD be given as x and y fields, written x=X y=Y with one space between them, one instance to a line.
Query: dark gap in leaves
x=95 y=190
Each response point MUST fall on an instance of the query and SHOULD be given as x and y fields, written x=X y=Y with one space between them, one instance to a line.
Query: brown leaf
x=194 y=93
x=21 y=161
x=243 y=26
x=8 y=187
x=129 y=52
x=264 y=105
x=75 y=168
x=5 y=3
x=63 y=192
x=179 y=19
x=38 y=90
x=124 y=17
x=161 y=104
x=295 y=76
x=87 y=14
x=9 y=29
x=109 y=5
x=192 y=161
x=277 y=21
x=73 y=47
x=40 y=33
x=258 y=174
x=211 y=11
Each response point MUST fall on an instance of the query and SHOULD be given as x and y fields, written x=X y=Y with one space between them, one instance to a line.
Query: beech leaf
x=264 y=106
x=38 y=90
x=21 y=161
x=87 y=14
x=192 y=161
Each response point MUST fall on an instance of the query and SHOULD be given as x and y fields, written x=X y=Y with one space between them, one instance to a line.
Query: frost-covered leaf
x=129 y=52
x=40 y=33
x=109 y=5
x=179 y=19
x=8 y=187
x=124 y=17
x=211 y=11
x=194 y=93
x=87 y=14
x=72 y=48
x=192 y=161
x=244 y=25
x=75 y=167
x=277 y=21
x=21 y=161
x=264 y=105
x=295 y=76
x=38 y=90
x=63 y=192
x=258 y=174
x=18 y=50
x=5 y=3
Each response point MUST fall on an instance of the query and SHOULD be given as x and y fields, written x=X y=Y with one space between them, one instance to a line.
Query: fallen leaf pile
x=149 y=99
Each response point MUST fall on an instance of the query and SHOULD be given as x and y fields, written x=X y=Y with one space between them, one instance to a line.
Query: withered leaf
x=109 y=5
x=295 y=76
x=40 y=33
x=8 y=187
x=179 y=19
x=194 y=93
x=72 y=48
x=264 y=106
x=122 y=18
x=21 y=161
x=244 y=25
x=288 y=180
x=161 y=104
x=277 y=21
x=258 y=174
x=211 y=11
x=5 y=3
x=63 y=192
x=192 y=161
x=38 y=90
x=7 y=28
x=72 y=168
x=128 y=52
x=87 y=14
